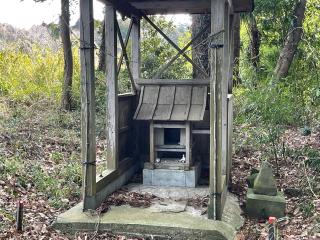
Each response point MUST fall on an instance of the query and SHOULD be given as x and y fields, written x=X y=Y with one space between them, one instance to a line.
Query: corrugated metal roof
x=172 y=103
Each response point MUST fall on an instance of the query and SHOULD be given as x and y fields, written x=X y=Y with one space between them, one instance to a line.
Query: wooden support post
x=230 y=136
x=225 y=80
x=215 y=187
x=112 y=88
x=88 y=132
x=188 y=145
x=135 y=50
x=152 y=149
x=231 y=53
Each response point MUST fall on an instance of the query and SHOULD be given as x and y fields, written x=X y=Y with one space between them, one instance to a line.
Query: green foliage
x=296 y=99
x=156 y=51
x=31 y=76
x=307 y=208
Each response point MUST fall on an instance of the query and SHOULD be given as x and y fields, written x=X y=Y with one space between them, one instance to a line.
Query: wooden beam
x=126 y=41
x=215 y=187
x=123 y=7
x=112 y=89
x=166 y=66
x=175 y=46
x=124 y=51
x=135 y=50
x=171 y=7
x=88 y=132
x=205 y=82
x=151 y=7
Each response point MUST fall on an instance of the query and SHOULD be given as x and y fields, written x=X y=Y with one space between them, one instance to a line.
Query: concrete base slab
x=172 y=220
x=263 y=206
x=142 y=222
x=172 y=177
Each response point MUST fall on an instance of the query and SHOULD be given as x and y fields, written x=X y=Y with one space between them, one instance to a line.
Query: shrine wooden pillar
x=217 y=44
x=88 y=131
x=112 y=113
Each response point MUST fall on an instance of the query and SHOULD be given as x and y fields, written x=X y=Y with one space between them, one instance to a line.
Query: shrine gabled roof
x=180 y=102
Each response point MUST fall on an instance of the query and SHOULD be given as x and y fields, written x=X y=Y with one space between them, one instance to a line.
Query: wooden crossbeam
x=124 y=52
x=126 y=41
x=125 y=8
x=165 y=67
x=174 y=45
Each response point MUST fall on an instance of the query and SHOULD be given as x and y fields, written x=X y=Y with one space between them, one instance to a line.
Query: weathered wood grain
x=88 y=142
x=112 y=113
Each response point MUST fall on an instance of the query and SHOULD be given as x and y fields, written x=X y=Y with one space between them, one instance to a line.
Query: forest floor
x=40 y=165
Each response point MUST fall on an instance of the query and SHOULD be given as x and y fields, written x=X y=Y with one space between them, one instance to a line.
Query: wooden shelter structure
x=123 y=134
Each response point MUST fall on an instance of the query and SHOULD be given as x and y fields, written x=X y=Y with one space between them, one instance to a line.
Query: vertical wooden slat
x=230 y=136
x=88 y=144
x=112 y=88
x=152 y=149
x=188 y=145
x=135 y=50
x=215 y=187
x=225 y=79
x=231 y=53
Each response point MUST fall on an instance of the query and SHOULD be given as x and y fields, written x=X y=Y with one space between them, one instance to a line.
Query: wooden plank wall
x=127 y=130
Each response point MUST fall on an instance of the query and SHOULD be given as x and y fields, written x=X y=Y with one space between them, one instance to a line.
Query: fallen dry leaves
x=302 y=223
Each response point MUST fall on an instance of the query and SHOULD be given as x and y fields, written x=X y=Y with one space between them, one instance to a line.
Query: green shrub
x=35 y=75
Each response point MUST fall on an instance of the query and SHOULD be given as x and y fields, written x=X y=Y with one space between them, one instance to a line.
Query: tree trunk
x=236 y=49
x=255 y=43
x=200 y=52
x=102 y=55
x=292 y=40
x=66 y=100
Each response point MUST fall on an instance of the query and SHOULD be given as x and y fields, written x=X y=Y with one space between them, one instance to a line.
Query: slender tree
x=292 y=41
x=102 y=55
x=66 y=101
x=236 y=49
x=255 y=43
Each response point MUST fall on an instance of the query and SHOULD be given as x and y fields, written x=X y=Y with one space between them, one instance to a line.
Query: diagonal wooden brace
x=126 y=41
x=124 y=52
x=175 y=45
x=165 y=67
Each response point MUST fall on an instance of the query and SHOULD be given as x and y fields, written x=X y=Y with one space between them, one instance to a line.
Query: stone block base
x=171 y=177
x=263 y=206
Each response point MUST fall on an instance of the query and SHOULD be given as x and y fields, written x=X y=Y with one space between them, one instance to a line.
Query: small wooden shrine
x=164 y=124
x=171 y=108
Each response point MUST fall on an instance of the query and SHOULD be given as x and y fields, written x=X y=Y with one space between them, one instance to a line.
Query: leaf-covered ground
x=40 y=165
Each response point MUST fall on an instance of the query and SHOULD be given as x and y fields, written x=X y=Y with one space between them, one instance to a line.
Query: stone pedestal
x=264 y=200
x=171 y=177
x=263 y=206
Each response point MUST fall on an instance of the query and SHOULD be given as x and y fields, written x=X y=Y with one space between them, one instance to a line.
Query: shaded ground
x=40 y=164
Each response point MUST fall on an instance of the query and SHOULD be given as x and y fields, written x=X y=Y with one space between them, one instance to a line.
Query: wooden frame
x=219 y=81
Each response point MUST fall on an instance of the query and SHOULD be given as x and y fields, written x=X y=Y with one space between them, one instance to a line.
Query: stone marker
x=263 y=200
x=265 y=183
